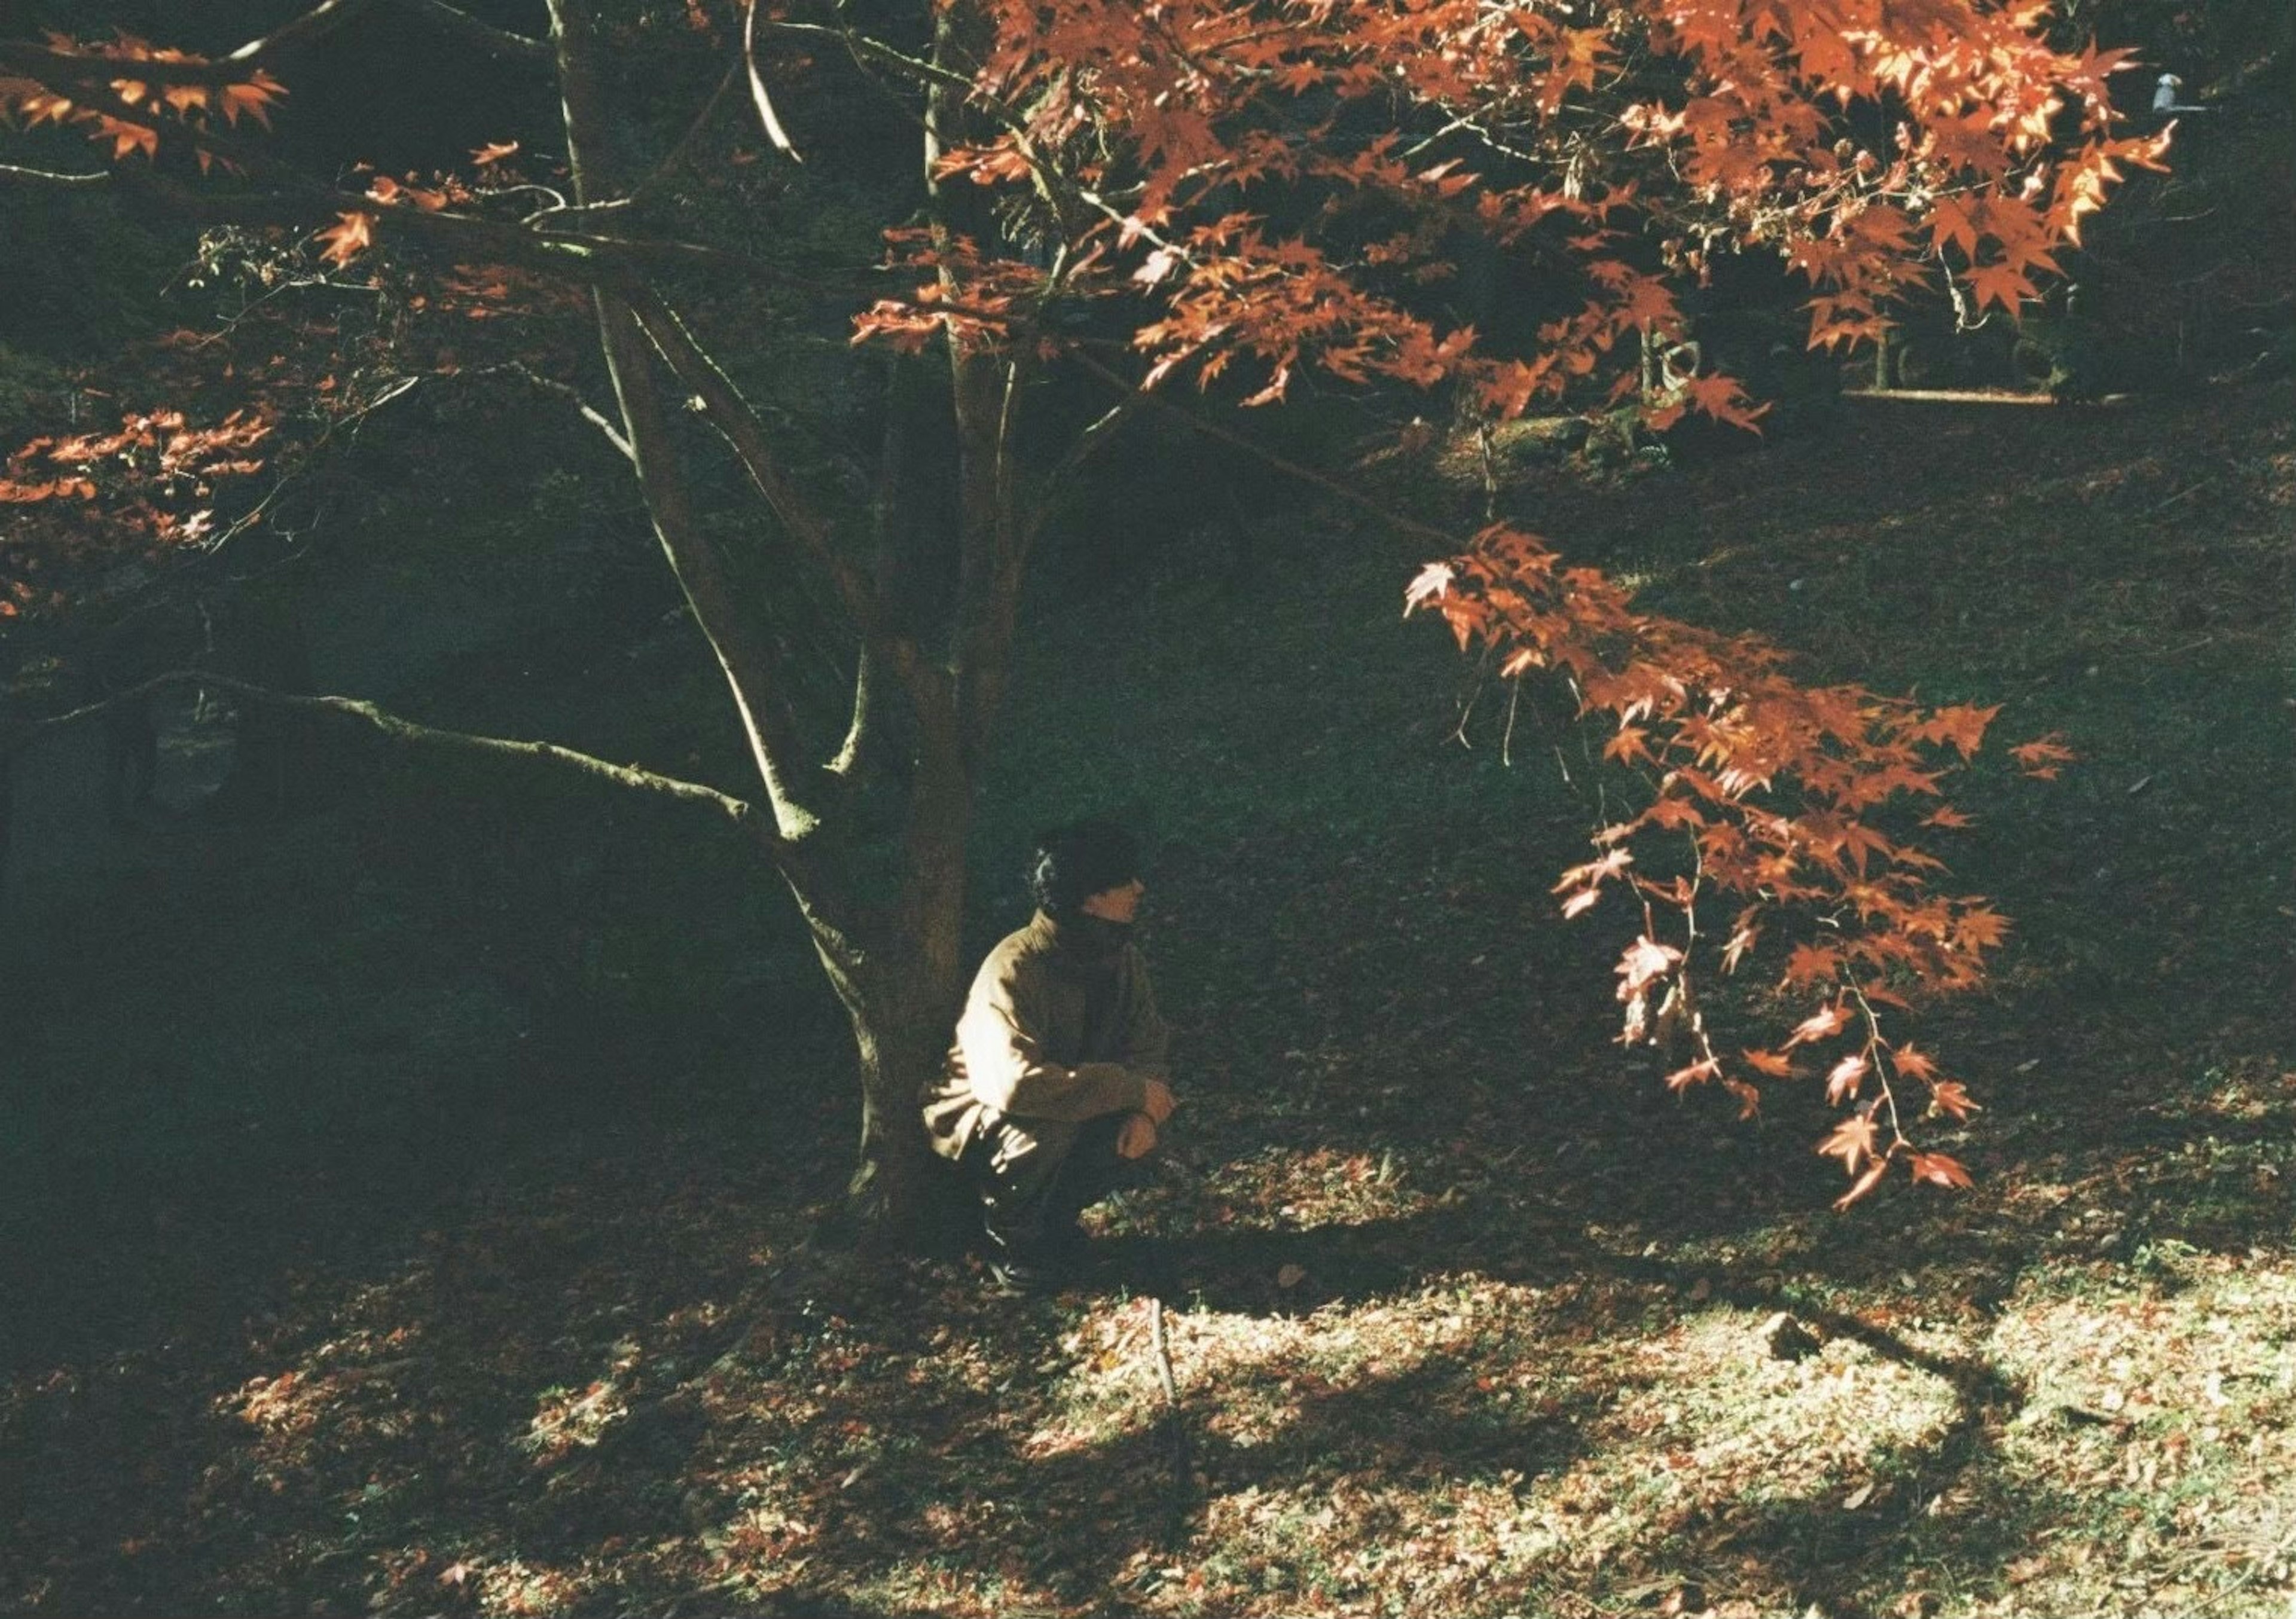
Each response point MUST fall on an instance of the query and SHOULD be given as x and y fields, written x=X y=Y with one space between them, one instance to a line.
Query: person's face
x=1117 y=904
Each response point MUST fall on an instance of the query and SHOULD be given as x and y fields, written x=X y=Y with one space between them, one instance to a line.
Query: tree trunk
x=902 y=997
x=901 y=1017
x=897 y=969
x=904 y=1002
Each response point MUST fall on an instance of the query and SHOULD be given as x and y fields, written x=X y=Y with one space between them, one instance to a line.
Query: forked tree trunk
x=897 y=969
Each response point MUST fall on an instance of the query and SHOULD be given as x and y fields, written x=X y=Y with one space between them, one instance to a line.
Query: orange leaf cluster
x=125 y=93
x=1794 y=807
x=89 y=503
x=1621 y=151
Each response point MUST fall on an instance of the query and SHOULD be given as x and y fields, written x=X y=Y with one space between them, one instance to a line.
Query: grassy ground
x=1474 y=1316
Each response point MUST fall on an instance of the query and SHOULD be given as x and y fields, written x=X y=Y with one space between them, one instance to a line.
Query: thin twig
x=486 y=36
x=1324 y=481
x=44 y=176
x=1184 y=1471
x=2185 y=493
x=322 y=19
x=41 y=61
x=678 y=148
x=589 y=413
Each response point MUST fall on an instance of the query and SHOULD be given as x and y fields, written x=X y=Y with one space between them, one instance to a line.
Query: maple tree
x=1233 y=195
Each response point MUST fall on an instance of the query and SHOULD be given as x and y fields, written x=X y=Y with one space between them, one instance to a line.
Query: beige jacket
x=1025 y=1059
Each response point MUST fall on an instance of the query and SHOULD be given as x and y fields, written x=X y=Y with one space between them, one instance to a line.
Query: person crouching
x=1057 y=1077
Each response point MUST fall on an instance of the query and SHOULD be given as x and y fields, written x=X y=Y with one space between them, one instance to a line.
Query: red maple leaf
x=1939 y=1169
x=346 y=241
x=1824 y=1023
x=1947 y=1096
x=1644 y=962
x=1852 y=1141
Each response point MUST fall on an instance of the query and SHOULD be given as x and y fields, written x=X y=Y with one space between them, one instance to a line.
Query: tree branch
x=733 y=417
x=1321 y=480
x=589 y=413
x=402 y=733
x=235 y=66
x=670 y=159
x=94 y=72
x=582 y=257
x=885 y=523
x=618 y=260
x=322 y=19
x=1096 y=437
x=738 y=423
x=746 y=653
x=586 y=257
x=990 y=599
x=861 y=45
x=745 y=433
x=12 y=174
x=486 y=36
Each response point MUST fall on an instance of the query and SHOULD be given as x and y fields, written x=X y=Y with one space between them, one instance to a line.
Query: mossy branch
x=400 y=732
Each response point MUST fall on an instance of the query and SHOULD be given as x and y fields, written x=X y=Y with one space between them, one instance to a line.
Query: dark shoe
x=1010 y=1278
x=1041 y=1262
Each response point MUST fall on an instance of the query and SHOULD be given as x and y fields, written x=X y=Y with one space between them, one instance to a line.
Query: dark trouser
x=1033 y=1204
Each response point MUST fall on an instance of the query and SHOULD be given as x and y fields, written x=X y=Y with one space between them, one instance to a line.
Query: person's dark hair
x=1071 y=864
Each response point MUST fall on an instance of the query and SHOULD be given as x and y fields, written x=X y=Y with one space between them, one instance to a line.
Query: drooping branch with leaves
x=1233 y=195
x=1777 y=819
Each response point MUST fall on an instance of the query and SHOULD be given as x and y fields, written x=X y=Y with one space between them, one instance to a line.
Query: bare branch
x=586 y=258
x=861 y=729
x=990 y=589
x=493 y=41
x=854 y=44
x=759 y=97
x=753 y=663
x=745 y=433
x=885 y=524
x=590 y=413
x=618 y=260
x=676 y=153
x=733 y=416
x=1096 y=437
x=1057 y=188
x=79 y=67
x=322 y=19
x=1321 y=480
x=400 y=732
x=860 y=45
x=583 y=257
x=235 y=66
x=12 y=174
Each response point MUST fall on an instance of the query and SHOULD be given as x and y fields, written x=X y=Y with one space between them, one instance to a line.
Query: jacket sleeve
x=1006 y=1069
